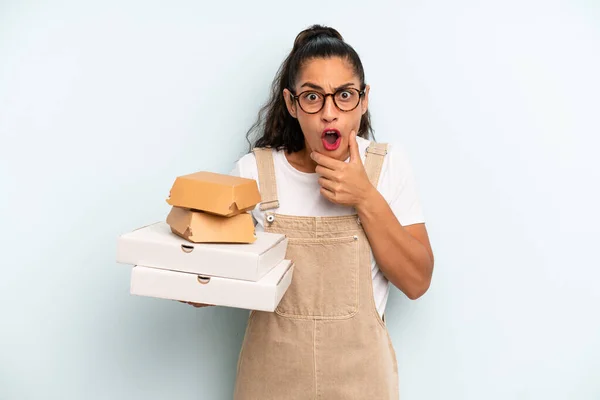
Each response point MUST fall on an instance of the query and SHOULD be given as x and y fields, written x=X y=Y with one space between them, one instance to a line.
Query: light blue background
x=103 y=104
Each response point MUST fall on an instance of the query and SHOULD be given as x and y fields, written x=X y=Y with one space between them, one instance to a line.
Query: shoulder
x=398 y=186
x=245 y=166
x=397 y=157
x=395 y=162
x=395 y=151
x=396 y=179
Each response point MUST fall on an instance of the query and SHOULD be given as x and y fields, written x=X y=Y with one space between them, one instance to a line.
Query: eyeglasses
x=311 y=101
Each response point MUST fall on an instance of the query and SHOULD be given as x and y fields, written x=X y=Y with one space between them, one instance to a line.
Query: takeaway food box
x=207 y=250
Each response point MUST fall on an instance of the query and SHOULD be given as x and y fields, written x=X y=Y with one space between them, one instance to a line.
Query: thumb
x=354 y=153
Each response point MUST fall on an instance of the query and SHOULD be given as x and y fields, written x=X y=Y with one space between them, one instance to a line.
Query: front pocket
x=325 y=280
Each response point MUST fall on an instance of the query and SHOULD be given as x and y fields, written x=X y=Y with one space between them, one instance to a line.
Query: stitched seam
x=272 y=183
x=316 y=317
x=267 y=205
x=373 y=164
x=343 y=239
x=259 y=154
x=266 y=177
x=315 y=359
x=377 y=148
x=370 y=293
x=357 y=274
x=346 y=232
x=327 y=218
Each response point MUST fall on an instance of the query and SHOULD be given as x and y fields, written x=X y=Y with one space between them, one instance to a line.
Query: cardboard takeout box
x=263 y=295
x=201 y=227
x=219 y=194
x=157 y=246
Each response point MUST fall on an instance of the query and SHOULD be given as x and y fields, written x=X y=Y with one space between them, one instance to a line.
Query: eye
x=345 y=95
x=312 y=96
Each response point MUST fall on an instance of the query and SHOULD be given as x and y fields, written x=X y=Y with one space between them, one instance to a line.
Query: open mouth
x=331 y=139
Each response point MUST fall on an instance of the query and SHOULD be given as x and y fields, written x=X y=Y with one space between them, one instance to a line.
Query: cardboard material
x=214 y=193
x=263 y=295
x=157 y=246
x=201 y=227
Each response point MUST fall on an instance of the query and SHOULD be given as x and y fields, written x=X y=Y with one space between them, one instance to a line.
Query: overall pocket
x=325 y=281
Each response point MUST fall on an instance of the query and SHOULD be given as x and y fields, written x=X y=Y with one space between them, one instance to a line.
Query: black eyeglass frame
x=325 y=95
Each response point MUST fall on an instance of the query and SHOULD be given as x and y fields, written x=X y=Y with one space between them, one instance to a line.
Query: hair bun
x=316 y=31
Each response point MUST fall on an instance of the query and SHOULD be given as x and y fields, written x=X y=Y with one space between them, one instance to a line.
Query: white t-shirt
x=298 y=194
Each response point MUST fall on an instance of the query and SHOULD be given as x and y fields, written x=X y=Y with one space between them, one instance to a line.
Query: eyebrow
x=317 y=87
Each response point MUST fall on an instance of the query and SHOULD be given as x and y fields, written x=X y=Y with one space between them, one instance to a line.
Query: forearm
x=401 y=257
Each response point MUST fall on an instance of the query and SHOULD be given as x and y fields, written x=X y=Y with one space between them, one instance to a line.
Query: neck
x=301 y=160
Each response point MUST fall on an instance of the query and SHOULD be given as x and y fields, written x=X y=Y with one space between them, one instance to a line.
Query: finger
x=327 y=173
x=354 y=152
x=328 y=184
x=325 y=161
x=328 y=194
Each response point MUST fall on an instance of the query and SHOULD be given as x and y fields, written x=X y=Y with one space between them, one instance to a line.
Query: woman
x=350 y=210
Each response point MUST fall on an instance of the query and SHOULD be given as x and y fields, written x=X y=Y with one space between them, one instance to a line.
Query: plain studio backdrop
x=103 y=104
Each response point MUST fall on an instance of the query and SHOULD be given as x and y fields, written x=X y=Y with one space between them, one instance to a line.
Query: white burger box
x=158 y=247
x=263 y=295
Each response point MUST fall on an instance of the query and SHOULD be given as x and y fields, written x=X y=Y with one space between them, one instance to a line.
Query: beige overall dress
x=326 y=339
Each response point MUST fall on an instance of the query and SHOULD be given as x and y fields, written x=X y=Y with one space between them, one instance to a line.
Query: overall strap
x=374 y=157
x=266 y=178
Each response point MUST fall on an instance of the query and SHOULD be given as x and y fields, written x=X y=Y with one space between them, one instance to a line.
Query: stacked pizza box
x=208 y=251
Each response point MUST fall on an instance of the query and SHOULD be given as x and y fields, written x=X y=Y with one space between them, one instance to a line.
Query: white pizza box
x=158 y=247
x=262 y=295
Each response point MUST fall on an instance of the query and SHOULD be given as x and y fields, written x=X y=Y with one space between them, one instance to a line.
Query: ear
x=364 y=104
x=290 y=103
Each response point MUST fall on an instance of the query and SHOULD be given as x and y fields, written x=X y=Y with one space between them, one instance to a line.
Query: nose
x=329 y=111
